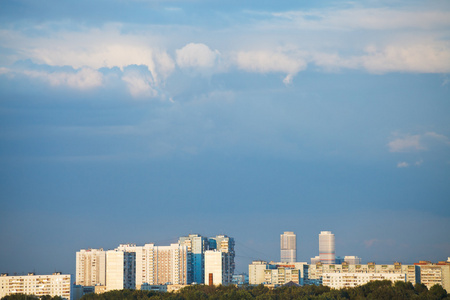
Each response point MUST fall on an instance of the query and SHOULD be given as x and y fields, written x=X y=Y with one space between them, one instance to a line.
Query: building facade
x=196 y=245
x=91 y=267
x=216 y=268
x=350 y=280
x=435 y=273
x=224 y=244
x=120 y=270
x=281 y=276
x=157 y=265
x=316 y=272
x=327 y=252
x=40 y=285
x=288 y=247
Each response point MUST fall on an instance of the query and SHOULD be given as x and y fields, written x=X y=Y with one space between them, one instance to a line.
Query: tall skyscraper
x=327 y=252
x=196 y=245
x=91 y=267
x=288 y=246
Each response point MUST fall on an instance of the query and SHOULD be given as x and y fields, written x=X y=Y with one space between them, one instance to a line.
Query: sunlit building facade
x=91 y=267
x=327 y=251
x=56 y=284
x=157 y=265
x=288 y=247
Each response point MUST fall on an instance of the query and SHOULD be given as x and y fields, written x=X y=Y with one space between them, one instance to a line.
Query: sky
x=145 y=120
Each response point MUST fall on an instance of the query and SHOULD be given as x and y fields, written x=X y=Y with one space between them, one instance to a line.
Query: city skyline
x=143 y=121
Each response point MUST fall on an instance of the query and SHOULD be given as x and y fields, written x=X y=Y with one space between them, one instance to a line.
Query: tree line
x=372 y=290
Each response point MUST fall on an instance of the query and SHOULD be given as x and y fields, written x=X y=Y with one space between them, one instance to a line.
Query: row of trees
x=373 y=290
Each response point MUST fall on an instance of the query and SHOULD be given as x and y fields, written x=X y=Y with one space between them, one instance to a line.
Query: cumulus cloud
x=84 y=78
x=139 y=82
x=406 y=143
x=268 y=61
x=196 y=56
x=430 y=58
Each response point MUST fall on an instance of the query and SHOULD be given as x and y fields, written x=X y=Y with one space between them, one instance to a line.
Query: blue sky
x=142 y=121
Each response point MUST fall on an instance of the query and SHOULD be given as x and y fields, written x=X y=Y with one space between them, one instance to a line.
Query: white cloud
x=140 y=84
x=402 y=164
x=196 y=55
x=268 y=61
x=84 y=78
x=92 y=48
x=429 y=58
x=438 y=137
x=408 y=143
x=405 y=144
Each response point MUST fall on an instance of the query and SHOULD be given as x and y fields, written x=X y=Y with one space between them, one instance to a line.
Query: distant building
x=288 y=247
x=91 y=267
x=277 y=273
x=435 y=273
x=240 y=279
x=256 y=271
x=224 y=244
x=350 y=280
x=281 y=276
x=79 y=291
x=120 y=269
x=156 y=265
x=216 y=268
x=317 y=272
x=40 y=285
x=196 y=245
x=327 y=252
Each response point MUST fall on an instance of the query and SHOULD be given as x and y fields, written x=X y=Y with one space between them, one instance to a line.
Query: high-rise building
x=288 y=246
x=196 y=245
x=91 y=267
x=327 y=252
x=40 y=285
x=120 y=270
x=216 y=271
x=162 y=265
x=224 y=244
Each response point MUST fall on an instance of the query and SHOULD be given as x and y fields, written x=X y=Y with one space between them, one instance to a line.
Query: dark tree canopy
x=373 y=290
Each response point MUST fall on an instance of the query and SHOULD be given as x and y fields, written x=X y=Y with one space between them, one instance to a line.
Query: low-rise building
x=277 y=273
x=56 y=284
x=317 y=271
x=350 y=280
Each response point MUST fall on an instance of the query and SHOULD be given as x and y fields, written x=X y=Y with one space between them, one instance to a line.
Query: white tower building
x=288 y=247
x=327 y=252
x=120 y=270
x=91 y=267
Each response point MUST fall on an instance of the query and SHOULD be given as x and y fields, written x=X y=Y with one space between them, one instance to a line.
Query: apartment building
x=317 y=271
x=121 y=270
x=435 y=273
x=157 y=265
x=350 y=280
x=56 y=284
x=91 y=267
